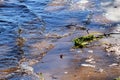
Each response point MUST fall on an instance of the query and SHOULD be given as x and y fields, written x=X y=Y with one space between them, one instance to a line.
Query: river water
x=26 y=22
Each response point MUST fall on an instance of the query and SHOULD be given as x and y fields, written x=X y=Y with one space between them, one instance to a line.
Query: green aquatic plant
x=117 y=78
x=81 y=42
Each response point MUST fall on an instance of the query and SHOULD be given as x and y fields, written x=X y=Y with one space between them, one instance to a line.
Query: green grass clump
x=81 y=42
x=117 y=78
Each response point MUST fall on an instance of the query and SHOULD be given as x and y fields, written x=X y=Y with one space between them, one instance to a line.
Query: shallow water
x=24 y=24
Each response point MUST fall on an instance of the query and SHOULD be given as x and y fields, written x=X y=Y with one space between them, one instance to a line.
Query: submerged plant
x=117 y=78
x=84 y=40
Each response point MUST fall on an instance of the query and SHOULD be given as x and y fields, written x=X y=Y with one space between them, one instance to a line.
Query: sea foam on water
x=112 y=12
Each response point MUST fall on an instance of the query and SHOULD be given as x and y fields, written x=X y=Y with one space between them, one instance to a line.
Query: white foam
x=82 y=5
x=112 y=12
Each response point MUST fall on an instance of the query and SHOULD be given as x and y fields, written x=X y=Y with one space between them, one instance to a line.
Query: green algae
x=81 y=42
x=117 y=78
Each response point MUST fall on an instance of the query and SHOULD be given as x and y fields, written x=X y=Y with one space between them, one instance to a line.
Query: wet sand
x=76 y=64
x=46 y=42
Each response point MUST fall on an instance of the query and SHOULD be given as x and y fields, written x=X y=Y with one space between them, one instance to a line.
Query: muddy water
x=25 y=25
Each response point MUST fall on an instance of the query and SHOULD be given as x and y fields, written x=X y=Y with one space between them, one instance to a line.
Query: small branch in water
x=108 y=34
x=87 y=31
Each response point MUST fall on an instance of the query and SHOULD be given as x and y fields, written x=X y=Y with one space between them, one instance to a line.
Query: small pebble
x=61 y=56
x=54 y=77
x=100 y=70
x=88 y=65
x=79 y=51
x=90 y=60
x=115 y=6
x=72 y=49
x=65 y=72
x=90 y=51
x=114 y=64
x=24 y=66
